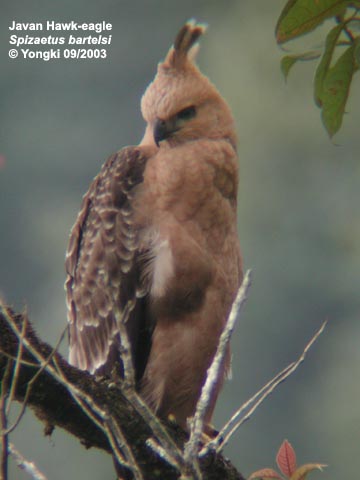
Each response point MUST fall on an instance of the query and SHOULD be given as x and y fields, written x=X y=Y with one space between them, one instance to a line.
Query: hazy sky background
x=298 y=213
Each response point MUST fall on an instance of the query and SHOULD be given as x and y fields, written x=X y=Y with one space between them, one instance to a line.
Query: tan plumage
x=155 y=244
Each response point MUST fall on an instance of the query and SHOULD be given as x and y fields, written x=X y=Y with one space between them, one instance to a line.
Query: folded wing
x=104 y=265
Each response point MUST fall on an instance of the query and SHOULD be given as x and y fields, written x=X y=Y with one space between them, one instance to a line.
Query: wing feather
x=104 y=265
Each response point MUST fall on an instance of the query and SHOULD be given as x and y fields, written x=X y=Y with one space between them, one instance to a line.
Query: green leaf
x=357 y=52
x=302 y=16
x=302 y=472
x=336 y=89
x=325 y=62
x=289 y=60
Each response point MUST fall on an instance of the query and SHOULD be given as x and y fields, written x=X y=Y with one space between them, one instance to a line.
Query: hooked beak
x=163 y=129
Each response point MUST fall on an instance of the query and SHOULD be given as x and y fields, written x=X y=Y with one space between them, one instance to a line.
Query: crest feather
x=184 y=43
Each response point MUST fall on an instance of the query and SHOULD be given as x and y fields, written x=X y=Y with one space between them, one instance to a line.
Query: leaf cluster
x=339 y=57
x=286 y=461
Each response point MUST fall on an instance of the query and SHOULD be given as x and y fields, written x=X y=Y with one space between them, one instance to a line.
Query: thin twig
x=161 y=434
x=29 y=467
x=197 y=423
x=23 y=362
x=128 y=389
x=3 y=423
x=162 y=452
x=94 y=411
x=85 y=402
x=17 y=365
x=235 y=421
x=4 y=440
x=107 y=424
x=103 y=421
x=121 y=447
x=126 y=355
x=349 y=34
x=43 y=364
x=213 y=444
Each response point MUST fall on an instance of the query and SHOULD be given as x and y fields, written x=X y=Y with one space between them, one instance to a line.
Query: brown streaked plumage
x=155 y=244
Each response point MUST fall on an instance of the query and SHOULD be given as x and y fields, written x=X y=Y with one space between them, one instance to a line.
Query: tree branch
x=213 y=373
x=54 y=404
x=29 y=467
x=248 y=408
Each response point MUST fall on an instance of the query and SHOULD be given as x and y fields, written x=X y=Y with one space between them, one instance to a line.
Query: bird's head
x=181 y=104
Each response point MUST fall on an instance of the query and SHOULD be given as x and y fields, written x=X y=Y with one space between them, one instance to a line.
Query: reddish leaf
x=301 y=472
x=286 y=459
x=265 y=473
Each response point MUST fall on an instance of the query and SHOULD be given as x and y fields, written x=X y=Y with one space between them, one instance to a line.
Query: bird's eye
x=186 y=113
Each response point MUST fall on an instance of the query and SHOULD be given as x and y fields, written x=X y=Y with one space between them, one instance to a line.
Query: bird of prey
x=154 y=251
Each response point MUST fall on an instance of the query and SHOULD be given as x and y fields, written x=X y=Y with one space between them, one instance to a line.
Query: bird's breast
x=195 y=182
x=186 y=203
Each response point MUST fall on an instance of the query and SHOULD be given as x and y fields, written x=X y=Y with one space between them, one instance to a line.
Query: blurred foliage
x=334 y=73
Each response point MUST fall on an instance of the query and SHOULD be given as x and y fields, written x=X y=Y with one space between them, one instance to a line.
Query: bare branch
x=163 y=439
x=14 y=357
x=30 y=384
x=3 y=422
x=160 y=433
x=104 y=421
x=126 y=357
x=120 y=448
x=88 y=404
x=85 y=402
x=197 y=423
x=17 y=366
x=237 y=420
x=29 y=467
x=162 y=452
